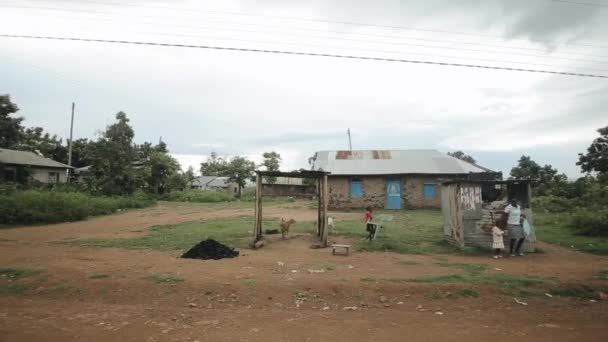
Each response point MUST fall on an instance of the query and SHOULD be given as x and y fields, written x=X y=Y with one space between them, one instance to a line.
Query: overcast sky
x=245 y=103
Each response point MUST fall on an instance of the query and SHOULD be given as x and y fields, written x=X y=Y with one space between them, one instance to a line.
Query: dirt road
x=270 y=295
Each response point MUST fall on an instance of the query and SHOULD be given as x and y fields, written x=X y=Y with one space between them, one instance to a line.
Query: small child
x=497 y=242
x=370 y=227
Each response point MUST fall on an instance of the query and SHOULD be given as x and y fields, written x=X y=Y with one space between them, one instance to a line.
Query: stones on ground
x=325 y=308
x=420 y=308
x=349 y=308
x=192 y=305
x=350 y=267
x=210 y=249
x=280 y=263
x=400 y=303
x=520 y=302
x=601 y=295
x=548 y=325
x=549 y=295
x=438 y=313
x=311 y=271
x=383 y=299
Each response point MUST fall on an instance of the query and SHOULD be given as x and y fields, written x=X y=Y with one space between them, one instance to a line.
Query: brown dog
x=285 y=226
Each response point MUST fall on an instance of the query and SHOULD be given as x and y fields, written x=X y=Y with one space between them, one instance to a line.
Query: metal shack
x=471 y=208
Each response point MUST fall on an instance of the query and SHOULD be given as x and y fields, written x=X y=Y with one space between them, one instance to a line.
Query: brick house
x=392 y=179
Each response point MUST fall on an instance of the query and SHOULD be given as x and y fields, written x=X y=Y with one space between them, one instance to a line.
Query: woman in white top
x=516 y=231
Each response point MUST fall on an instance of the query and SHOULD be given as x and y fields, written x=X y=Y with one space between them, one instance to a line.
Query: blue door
x=393 y=194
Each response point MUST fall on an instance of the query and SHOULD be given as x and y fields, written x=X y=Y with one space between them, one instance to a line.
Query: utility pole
x=71 y=133
x=350 y=144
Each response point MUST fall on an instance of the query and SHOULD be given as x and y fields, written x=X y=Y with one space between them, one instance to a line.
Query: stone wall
x=302 y=191
x=374 y=192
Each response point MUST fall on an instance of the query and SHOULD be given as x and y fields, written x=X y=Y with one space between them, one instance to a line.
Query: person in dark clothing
x=370 y=226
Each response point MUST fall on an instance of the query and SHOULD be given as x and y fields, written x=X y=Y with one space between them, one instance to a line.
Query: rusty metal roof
x=387 y=162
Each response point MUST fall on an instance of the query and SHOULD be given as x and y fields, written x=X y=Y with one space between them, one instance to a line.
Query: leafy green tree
x=189 y=177
x=545 y=179
x=596 y=158
x=272 y=162
x=239 y=170
x=113 y=156
x=10 y=127
x=34 y=139
x=214 y=166
x=81 y=152
x=462 y=156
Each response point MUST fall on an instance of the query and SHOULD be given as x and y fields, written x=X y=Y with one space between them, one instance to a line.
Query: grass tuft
x=16 y=272
x=99 y=276
x=13 y=289
x=164 y=278
x=408 y=262
x=578 y=291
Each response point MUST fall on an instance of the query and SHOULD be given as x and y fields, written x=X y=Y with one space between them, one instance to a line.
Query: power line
x=348 y=23
x=301 y=54
x=581 y=3
x=367 y=40
x=309 y=29
x=362 y=49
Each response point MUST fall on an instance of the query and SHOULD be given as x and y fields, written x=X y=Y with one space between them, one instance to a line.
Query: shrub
x=554 y=204
x=39 y=206
x=198 y=196
x=590 y=222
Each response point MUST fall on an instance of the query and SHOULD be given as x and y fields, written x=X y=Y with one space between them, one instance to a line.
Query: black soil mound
x=210 y=249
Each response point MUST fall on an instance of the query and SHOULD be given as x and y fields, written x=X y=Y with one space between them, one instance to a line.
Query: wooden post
x=257 y=229
x=319 y=205
x=324 y=211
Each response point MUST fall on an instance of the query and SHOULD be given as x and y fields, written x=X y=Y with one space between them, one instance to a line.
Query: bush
x=198 y=196
x=590 y=222
x=38 y=206
x=554 y=204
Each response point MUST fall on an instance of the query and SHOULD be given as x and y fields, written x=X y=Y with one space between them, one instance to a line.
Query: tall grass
x=48 y=206
x=198 y=196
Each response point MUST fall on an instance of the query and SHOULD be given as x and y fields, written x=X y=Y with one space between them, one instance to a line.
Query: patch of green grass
x=164 y=278
x=250 y=283
x=409 y=232
x=553 y=228
x=13 y=288
x=435 y=295
x=529 y=293
x=233 y=232
x=19 y=272
x=578 y=291
x=328 y=267
x=408 y=262
x=99 y=276
x=471 y=293
x=603 y=275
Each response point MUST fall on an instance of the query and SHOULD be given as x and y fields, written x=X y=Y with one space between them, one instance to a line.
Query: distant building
x=215 y=183
x=36 y=167
x=392 y=179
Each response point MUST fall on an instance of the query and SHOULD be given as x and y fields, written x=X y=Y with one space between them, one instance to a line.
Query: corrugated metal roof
x=391 y=162
x=28 y=158
x=210 y=182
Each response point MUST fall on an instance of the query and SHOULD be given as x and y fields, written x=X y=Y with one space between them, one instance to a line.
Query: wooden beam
x=319 y=207
x=257 y=229
x=324 y=230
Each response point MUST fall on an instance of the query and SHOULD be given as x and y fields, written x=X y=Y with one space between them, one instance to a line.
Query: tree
x=546 y=179
x=189 y=177
x=214 y=166
x=272 y=162
x=462 y=156
x=34 y=139
x=596 y=158
x=113 y=156
x=10 y=127
x=239 y=170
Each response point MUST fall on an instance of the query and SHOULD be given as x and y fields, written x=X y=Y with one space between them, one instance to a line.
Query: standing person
x=497 y=241
x=369 y=226
x=514 y=226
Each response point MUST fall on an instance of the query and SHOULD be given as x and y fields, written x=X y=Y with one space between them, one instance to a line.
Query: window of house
x=430 y=190
x=356 y=188
x=53 y=177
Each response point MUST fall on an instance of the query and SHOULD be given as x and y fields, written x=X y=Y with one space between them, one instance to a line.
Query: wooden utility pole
x=71 y=133
x=350 y=144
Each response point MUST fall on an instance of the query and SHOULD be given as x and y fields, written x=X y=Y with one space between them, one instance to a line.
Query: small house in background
x=214 y=183
x=392 y=179
x=16 y=165
x=286 y=186
x=471 y=208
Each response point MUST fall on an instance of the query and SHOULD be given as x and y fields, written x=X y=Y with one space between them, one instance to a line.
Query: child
x=497 y=241
x=370 y=227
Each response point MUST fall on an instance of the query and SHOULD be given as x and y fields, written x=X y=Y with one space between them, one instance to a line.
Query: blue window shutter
x=430 y=191
x=356 y=189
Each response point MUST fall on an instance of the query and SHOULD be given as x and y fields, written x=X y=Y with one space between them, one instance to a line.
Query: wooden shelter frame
x=323 y=200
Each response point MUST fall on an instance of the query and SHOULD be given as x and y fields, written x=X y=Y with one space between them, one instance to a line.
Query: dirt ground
x=270 y=295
